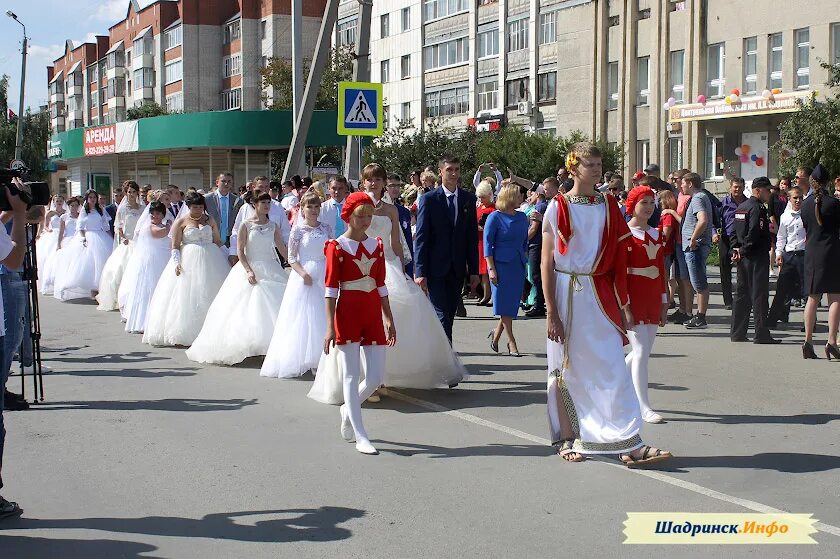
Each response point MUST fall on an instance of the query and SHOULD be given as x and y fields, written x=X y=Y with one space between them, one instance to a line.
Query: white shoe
x=366 y=448
x=651 y=416
x=346 y=427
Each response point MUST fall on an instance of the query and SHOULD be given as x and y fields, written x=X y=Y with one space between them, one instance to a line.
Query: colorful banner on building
x=747 y=106
x=113 y=138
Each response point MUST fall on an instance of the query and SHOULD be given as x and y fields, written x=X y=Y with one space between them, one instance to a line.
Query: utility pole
x=361 y=73
x=297 y=56
x=19 y=140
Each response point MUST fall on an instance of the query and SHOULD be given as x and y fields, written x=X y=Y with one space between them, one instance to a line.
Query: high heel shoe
x=513 y=353
x=493 y=345
x=808 y=351
x=832 y=352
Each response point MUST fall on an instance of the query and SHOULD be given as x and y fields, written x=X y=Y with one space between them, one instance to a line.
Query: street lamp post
x=19 y=140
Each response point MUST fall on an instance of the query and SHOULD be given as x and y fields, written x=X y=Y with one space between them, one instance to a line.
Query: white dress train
x=180 y=302
x=142 y=273
x=298 y=339
x=422 y=357
x=112 y=274
x=240 y=322
x=79 y=265
x=45 y=248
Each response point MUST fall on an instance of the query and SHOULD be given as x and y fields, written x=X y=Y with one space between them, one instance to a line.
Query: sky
x=49 y=23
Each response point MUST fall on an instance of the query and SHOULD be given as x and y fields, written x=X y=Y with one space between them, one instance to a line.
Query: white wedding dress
x=112 y=274
x=47 y=273
x=142 y=273
x=79 y=265
x=422 y=356
x=298 y=340
x=240 y=322
x=46 y=247
x=180 y=302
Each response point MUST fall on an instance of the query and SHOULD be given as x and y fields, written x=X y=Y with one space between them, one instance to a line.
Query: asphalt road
x=138 y=452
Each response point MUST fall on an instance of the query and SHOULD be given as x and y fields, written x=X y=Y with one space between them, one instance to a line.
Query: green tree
x=146 y=110
x=278 y=75
x=811 y=135
x=36 y=134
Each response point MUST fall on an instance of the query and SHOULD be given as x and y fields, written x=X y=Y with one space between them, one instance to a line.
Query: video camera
x=33 y=193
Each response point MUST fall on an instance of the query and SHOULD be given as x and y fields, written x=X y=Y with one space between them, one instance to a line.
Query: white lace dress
x=422 y=356
x=142 y=273
x=240 y=321
x=46 y=247
x=80 y=263
x=112 y=274
x=298 y=339
x=180 y=302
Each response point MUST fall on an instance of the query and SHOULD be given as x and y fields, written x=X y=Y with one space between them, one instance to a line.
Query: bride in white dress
x=79 y=265
x=191 y=280
x=128 y=213
x=147 y=262
x=66 y=231
x=47 y=242
x=240 y=322
x=422 y=356
x=298 y=341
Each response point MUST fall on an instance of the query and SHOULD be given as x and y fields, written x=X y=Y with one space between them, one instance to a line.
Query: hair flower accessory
x=571 y=160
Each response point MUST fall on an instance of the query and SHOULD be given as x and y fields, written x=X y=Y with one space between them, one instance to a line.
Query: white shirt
x=455 y=201
x=289 y=201
x=275 y=214
x=6 y=247
x=791 y=234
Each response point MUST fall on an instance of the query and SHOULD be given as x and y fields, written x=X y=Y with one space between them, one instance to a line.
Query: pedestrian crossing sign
x=360 y=109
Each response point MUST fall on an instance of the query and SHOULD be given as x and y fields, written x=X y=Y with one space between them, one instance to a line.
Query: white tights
x=354 y=392
x=641 y=339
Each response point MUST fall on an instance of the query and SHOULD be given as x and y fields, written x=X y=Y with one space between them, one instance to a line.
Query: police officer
x=750 y=247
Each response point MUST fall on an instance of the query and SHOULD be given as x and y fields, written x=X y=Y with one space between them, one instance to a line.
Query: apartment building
x=186 y=55
x=631 y=72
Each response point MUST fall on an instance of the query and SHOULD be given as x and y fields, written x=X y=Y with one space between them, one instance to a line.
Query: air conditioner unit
x=523 y=108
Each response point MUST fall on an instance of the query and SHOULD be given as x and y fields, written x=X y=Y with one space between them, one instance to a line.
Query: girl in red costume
x=357 y=299
x=646 y=284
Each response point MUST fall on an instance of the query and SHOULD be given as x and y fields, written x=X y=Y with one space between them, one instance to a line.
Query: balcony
x=56 y=98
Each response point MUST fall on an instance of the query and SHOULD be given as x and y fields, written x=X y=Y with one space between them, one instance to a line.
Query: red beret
x=352 y=202
x=638 y=175
x=635 y=195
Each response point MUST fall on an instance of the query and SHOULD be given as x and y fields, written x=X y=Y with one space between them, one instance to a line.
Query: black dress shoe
x=728 y=307
x=453 y=385
x=10 y=404
x=535 y=312
x=8 y=395
x=738 y=340
x=767 y=341
x=461 y=311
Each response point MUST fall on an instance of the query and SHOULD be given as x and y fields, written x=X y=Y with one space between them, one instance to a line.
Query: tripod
x=33 y=324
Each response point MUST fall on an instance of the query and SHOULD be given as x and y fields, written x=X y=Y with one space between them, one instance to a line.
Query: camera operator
x=12 y=250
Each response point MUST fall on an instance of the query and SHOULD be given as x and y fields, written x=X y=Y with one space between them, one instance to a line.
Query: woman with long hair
x=128 y=214
x=821 y=219
x=80 y=264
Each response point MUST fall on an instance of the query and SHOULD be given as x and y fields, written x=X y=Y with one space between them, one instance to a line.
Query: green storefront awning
x=230 y=129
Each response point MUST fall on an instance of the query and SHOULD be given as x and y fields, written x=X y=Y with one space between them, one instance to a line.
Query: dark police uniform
x=752 y=239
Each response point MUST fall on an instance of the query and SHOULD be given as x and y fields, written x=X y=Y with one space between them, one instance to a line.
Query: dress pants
x=751 y=292
x=445 y=294
x=788 y=285
x=725 y=268
x=534 y=259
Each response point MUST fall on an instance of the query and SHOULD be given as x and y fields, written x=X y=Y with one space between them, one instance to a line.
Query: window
x=57 y=110
x=675 y=148
x=384 y=25
x=263 y=62
x=128 y=58
x=172 y=38
x=386 y=115
x=231 y=99
x=75 y=80
x=232 y=65
x=750 y=64
x=405 y=67
x=614 y=21
x=643 y=86
x=94 y=99
x=232 y=32
x=715 y=80
x=143 y=45
x=405 y=16
x=677 y=5
x=175 y=102
x=263 y=28
x=775 y=65
x=116 y=59
x=93 y=73
x=714 y=156
x=173 y=72
x=548 y=28
x=517 y=90
x=385 y=71
x=405 y=114
x=644 y=14
x=447 y=54
x=678 y=75
x=547 y=87
x=835 y=42
x=517 y=35
x=116 y=87
x=441 y=8
x=488 y=43
x=103 y=72
x=803 y=54
x=612 y=86
x=642 y=153
x=488 y=95
x=448 y=102
x=347 y=33
x=144 y=77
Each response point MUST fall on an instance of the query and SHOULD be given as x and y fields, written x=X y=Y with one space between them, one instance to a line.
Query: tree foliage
x=278 y=75
x=36 y=134
x=811 y=135
x=146 y=110
x=527 y=155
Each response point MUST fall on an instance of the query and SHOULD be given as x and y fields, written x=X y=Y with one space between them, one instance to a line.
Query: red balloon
x=759 y=162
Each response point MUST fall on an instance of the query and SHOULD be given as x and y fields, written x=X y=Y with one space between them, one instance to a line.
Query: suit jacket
x=112 y=211
x=212 y=204
x=405 y=226
x=441 y=246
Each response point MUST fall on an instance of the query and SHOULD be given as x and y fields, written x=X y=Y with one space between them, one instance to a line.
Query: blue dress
x=506 y=240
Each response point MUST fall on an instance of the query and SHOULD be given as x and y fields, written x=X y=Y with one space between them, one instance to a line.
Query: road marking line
x=659 y=476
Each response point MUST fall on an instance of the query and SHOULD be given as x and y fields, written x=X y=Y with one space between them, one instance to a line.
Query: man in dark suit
x=112 y=208
x=446 y=243
x=175 y=201
x=222 y=206
x=394 y=189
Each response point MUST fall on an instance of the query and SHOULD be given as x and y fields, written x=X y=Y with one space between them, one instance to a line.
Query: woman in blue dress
x=505 y=249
